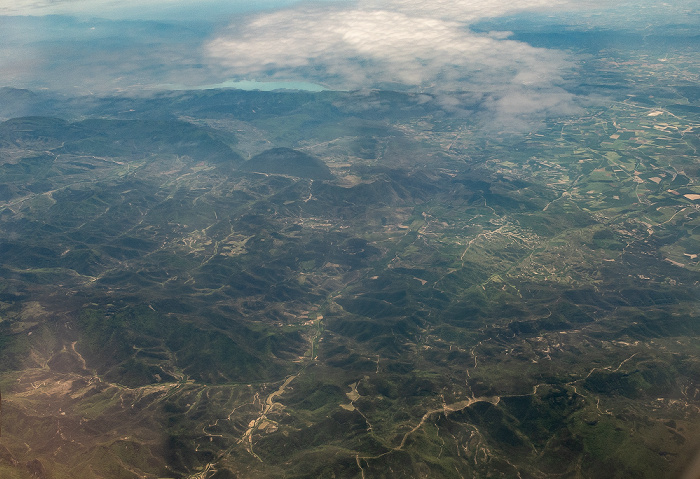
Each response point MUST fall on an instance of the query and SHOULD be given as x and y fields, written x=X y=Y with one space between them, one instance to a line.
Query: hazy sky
x=110 y=46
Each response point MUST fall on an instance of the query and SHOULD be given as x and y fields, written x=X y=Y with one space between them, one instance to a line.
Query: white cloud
x=408 y=46
x=357 y=48
x=465 y=10
x=517 y=109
